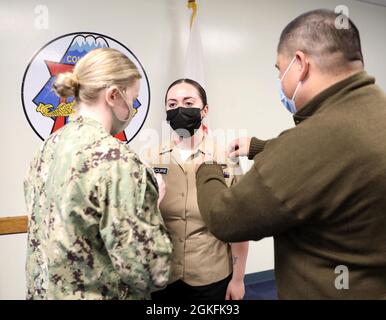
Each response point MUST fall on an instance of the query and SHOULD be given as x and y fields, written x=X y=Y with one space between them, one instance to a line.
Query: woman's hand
x=161 y=188
x=235 y=290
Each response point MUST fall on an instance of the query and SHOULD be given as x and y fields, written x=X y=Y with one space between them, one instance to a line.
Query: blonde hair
x=98 y=69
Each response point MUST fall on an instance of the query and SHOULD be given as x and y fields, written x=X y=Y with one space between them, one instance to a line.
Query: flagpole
x=194 y=64
x=192 y=5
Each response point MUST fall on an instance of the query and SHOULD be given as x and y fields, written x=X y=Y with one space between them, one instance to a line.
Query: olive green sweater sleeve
x=241 y=212
x=255 y=147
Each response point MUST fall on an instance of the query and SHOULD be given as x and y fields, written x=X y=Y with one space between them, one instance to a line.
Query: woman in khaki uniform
x=203 y=267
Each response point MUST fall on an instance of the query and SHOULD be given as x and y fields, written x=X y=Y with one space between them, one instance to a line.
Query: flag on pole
x=194 y=62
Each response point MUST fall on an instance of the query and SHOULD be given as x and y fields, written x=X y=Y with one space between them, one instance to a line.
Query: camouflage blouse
x=95 y=231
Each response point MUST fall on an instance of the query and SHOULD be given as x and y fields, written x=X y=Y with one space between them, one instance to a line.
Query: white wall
x=239 y=40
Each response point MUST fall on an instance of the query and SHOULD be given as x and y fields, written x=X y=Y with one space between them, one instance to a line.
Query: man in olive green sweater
x=319 y=188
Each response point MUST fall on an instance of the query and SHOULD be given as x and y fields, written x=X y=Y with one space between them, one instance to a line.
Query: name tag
x=161 y=170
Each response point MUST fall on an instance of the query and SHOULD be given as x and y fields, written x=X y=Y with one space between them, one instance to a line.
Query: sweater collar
x=333 y=93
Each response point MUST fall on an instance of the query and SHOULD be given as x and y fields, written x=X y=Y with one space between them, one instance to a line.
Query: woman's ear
x=204 y=111
x=111 y=95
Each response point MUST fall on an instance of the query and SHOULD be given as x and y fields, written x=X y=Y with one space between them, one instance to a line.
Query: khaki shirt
x=198 y=257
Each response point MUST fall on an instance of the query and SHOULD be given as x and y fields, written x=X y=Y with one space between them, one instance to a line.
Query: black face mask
x=184 y=121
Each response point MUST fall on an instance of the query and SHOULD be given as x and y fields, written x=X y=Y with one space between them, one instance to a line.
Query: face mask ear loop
x=127 y=105
x=288 y=68
x=202 y=118
x=296 y=90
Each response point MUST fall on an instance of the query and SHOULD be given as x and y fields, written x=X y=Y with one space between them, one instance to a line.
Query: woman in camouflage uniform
x=95 y=230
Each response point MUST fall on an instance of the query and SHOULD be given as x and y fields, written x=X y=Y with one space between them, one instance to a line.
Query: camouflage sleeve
x=28 y=185
x=132 y=227
x=27 y=192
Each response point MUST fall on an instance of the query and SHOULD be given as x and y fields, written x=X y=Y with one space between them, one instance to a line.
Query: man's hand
x=161 y=187
x=239 y=148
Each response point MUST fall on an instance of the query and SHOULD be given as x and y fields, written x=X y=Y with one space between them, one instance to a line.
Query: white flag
x=194 y=62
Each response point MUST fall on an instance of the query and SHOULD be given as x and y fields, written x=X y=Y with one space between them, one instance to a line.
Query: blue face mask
x=289 y=104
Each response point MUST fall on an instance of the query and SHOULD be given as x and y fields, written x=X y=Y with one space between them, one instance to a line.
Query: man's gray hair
x=315 y=33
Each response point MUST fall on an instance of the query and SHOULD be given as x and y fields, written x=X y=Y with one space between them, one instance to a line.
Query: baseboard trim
x=258 y=277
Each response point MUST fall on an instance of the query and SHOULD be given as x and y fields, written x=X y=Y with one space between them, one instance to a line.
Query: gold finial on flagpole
x=193 y=6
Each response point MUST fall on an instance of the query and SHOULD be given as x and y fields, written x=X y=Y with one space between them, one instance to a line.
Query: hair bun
x=66 y=85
